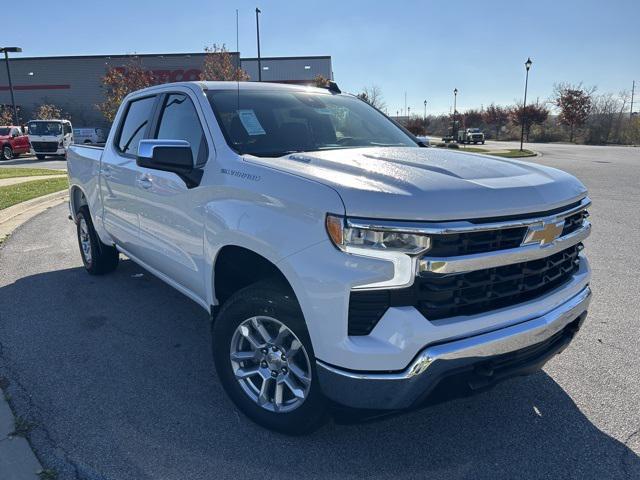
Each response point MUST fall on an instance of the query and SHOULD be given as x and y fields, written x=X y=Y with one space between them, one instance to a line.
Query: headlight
x=353 y=238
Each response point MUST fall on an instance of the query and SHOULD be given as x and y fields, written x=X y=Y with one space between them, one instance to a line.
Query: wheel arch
x=78 y=199
x=236 y=267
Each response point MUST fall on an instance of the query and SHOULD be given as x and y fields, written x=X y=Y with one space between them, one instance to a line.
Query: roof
x=244 y=86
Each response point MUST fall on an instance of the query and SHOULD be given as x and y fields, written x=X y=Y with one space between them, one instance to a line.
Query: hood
x=431 y=184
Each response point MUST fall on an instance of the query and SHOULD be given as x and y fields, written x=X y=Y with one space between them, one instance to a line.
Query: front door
x=171 y=215
x=119 y=175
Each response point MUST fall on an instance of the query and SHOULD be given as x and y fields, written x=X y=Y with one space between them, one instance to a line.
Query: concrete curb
x=14 y=216
x=17 y=459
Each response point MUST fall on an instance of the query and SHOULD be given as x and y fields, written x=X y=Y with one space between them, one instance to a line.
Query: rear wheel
x=97 y=257
x=7 y=152
x=265 y=360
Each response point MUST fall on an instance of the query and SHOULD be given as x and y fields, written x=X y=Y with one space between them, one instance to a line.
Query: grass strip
x=12 y=172
x=14 y=194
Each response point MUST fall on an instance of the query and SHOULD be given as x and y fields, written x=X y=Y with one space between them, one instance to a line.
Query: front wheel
x=7 y=152
x=40 y=157
x=265 y=360
x=97 y=257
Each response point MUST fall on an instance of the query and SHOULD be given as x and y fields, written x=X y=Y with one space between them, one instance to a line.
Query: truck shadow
x=116 y=373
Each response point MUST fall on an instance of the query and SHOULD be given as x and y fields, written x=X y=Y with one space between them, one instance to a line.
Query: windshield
x=45 y=128
x=474 y=130
x=274 y=123
x=4 y=131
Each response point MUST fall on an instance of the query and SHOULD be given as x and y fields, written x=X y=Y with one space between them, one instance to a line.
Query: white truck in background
x=50 y=137
x=338 y=259
x=89 y=136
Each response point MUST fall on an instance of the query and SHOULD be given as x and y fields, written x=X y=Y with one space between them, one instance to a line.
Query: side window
x=134 y=125
x=179 y=121
x=67 y=128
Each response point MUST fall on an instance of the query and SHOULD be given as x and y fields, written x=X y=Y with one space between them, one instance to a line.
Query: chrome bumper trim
x=481 y=261
x=400 y=389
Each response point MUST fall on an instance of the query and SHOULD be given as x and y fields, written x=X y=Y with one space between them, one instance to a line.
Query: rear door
x=171 y=215
x=119 y=174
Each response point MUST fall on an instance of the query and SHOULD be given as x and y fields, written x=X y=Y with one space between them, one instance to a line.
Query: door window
x=180 y=121
x=134 y=125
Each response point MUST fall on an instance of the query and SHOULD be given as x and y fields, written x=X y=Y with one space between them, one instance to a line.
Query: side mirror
x=170 y=156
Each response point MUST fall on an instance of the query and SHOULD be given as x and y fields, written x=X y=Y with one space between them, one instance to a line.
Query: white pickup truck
x=341 y=262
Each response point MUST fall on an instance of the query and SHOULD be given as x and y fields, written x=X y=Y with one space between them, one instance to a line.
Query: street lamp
x=425 y=109
x=408 y=112
x=258 y=37
x=454 y=128
x=6 y=51
x=527 y=65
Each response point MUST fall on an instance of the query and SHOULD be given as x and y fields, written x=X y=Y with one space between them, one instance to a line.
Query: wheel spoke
x=293 y=349
x=263 y=398
x=243 y=373
x=261 y=330
x=255 y=344
x=297 y=391
x=299 y=374
x=243 y=356
x=282 y=334
x=277 y=397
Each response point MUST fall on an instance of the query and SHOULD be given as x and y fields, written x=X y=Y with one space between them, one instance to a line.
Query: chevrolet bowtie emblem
x=543 y=233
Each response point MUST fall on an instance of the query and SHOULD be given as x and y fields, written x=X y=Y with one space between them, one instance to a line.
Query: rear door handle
x=144 y=182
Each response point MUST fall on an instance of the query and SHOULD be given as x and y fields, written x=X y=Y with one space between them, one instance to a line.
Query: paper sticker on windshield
x=250 y=122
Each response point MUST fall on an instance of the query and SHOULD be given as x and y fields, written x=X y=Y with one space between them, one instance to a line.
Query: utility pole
x=6 y=51
x=405 y=104
x=258 y=37
x=633 y=91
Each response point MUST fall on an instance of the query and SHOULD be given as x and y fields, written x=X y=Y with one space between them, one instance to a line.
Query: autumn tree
x=6 y=115
x=48 y=111
x=574 y=103
x=119 y=82
x=416 y=125
x=373 y=96
x=219 y=65
x=496 y=117
x=320 y=81
x=472 y=118
x=532 y=114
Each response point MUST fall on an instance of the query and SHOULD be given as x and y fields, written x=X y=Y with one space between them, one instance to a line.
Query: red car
x=13 y=142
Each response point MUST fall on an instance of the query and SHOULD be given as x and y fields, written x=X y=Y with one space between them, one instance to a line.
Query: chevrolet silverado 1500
x=341 y=262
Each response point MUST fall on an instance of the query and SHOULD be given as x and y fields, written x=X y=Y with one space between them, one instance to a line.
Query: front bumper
x=478 y=361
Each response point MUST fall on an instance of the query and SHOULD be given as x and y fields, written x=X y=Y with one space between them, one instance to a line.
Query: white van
x=50 y=137
x=89 y=135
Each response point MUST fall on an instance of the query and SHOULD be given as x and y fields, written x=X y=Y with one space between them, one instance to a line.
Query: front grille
x=439 y=296
x=574 y=222
x=442 y=296
x=452 y=245
x=45 y=146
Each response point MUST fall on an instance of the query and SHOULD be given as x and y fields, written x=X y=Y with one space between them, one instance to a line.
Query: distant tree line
x=574 y=113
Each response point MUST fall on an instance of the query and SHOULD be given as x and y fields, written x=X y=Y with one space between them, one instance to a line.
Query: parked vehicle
x=338 y=259
x=471 y=135
x=50 y=137
x=89 y=135
x=13 y=142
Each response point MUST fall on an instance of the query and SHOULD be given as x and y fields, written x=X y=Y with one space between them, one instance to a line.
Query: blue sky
x=425 y=48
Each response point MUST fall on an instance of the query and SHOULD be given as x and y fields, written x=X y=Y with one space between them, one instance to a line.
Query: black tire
x=40 y=157
x=483 y=142
x=102 y=258
x=271 y=299
x=7 y=152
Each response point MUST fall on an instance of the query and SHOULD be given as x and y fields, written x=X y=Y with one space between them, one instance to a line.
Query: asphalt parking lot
x=114 y=374
x=30 y=161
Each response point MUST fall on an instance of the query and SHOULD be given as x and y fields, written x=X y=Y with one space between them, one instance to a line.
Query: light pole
x=258 y=37
x=6 y=51
x=527 y=65
x=425 y=109
x=408 y=112
x=454 y=127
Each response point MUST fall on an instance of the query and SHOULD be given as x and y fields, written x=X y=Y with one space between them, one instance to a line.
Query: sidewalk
x=5 y=182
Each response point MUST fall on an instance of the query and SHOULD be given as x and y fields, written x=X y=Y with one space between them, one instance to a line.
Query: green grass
x=13 y=194
x=511 y=153
x=27 y=172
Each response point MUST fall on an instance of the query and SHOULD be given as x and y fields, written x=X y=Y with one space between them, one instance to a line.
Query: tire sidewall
x=4 y=154
x=279 y=302
x=89 y=265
